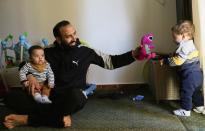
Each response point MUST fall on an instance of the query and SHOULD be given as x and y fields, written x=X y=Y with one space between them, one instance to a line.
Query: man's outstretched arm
x=114 y=61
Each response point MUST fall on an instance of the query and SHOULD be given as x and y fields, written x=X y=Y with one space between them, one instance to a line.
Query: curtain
x=184 y=9
x=199 y=38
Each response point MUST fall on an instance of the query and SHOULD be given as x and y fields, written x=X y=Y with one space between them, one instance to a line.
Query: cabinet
x=10 y=77
x=163 y=81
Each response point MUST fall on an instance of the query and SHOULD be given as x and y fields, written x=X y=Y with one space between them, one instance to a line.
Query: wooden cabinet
x=163 y=81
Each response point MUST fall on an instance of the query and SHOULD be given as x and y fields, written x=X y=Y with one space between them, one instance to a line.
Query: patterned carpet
x=118 y=112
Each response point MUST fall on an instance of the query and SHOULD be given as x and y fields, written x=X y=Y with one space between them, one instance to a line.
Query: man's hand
x=33 y=84
x=136 y=52
x=26 y=83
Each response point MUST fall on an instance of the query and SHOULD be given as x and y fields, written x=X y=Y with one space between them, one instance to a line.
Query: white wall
x=112 y=26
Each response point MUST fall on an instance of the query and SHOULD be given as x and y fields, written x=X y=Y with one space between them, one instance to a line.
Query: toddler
x=186 y=59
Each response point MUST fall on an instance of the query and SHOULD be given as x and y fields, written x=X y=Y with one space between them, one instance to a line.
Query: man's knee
x=79 y=99
x=19 y=101
x=13 y=96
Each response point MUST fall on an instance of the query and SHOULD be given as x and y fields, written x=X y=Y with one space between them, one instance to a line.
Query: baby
x=41 y=70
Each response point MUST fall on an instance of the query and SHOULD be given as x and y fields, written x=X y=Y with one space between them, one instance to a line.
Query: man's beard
x=70 y=44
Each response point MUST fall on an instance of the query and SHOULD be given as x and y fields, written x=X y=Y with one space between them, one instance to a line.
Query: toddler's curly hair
x=184 y=26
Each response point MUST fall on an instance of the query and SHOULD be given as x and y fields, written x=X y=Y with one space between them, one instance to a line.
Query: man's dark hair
x=56 y=29
x=34 y=47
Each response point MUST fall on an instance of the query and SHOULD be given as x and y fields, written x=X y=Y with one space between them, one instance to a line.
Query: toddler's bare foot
x=14 y=120
x=67 y=121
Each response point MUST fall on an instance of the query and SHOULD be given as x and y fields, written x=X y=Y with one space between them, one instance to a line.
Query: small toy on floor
x=138 y=98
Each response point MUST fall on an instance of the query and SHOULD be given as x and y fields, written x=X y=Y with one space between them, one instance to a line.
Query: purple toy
x=145 y=47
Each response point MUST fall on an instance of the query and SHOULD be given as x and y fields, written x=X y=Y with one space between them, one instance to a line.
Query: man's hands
x=136 y=52
x=26 y=83
x=33 y=84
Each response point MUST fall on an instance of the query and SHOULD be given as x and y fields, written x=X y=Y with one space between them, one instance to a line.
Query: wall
x=112 y=26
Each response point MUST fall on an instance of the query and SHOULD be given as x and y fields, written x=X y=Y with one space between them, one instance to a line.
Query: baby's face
x=38 y=56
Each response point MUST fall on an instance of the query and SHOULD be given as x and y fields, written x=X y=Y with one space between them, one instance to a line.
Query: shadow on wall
x=36 y=17
x=9 y=17
x=113 y=26
x=110 y=26
x=156 y=16
x=140 y=22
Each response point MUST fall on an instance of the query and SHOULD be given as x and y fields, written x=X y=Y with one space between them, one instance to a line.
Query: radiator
x=163 y=81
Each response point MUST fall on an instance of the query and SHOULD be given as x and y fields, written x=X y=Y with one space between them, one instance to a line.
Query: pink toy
x=145 y=47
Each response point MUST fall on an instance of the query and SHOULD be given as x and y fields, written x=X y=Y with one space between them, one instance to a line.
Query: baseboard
x=119 y=87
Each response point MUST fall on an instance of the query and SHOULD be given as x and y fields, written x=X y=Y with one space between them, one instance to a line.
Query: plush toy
x=145 y=47
x=44 y=42
x=24 y=42
x=6 y=45
x=21 y=48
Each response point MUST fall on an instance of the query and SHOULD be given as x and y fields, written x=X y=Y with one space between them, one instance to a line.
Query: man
x=69 y=62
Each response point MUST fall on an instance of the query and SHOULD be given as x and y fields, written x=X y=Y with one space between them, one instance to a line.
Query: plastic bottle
x=138 y=98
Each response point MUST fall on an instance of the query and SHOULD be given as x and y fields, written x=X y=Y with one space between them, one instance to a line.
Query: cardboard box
x=10 y=77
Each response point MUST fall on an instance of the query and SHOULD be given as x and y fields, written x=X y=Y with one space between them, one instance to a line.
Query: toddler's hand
x=161 y=62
